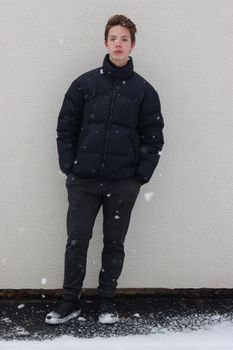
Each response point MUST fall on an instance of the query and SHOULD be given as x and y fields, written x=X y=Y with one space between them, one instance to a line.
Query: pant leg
x=117 y=207
x=84 y=204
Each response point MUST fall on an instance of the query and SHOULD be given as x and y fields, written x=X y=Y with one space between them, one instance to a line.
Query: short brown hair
x=122 y=21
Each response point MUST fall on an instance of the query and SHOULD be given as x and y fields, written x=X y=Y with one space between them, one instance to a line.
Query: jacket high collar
x=115 y=72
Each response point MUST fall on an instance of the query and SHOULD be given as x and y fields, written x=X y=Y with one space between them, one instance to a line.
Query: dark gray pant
x=85 y=197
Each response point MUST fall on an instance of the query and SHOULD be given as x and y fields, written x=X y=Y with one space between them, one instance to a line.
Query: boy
x=109 y=143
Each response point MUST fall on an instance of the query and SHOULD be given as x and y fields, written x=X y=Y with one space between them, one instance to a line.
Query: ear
x=132 y=45
x=106 y=43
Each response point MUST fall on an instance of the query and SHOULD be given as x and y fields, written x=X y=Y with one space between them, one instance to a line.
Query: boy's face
x=119 y=45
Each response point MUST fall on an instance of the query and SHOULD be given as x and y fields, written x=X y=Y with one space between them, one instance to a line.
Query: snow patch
x=216 y=337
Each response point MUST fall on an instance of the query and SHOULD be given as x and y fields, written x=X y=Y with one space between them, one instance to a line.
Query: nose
x=117 y=41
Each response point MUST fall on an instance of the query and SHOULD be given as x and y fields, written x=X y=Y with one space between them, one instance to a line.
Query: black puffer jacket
x=110 y=125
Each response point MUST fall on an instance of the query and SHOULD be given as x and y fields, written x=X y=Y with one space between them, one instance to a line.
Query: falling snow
x=148 y=196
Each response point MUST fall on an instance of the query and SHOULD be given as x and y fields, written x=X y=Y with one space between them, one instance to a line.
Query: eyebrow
x=123 y=36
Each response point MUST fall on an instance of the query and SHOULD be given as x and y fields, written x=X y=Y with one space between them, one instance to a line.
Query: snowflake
x=148 y=196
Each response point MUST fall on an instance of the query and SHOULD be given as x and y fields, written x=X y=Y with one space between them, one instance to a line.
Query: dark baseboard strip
x=125 y=292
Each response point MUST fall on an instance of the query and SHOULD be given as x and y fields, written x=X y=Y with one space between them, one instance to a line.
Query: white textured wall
x=182 y=237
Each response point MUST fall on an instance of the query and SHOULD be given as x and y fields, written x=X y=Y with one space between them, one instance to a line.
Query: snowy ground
x=149 y=323
x=219 y=336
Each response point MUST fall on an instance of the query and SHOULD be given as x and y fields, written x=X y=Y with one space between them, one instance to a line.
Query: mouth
x=118 y=51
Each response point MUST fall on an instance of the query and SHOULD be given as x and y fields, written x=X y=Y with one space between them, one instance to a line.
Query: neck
x=118 y=64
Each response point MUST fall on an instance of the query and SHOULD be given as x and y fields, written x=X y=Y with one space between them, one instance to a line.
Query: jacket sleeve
x=68 y=126
x=151 y=136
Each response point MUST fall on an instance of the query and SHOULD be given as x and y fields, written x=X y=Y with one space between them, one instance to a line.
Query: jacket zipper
x=108 y=128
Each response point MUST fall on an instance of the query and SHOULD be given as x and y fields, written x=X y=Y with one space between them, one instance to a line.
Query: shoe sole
x=107 y=319
x=56 y=320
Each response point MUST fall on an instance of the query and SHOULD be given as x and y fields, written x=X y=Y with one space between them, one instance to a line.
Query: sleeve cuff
x=139 y=179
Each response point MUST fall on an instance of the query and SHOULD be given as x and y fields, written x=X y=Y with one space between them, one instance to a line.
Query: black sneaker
x=65 y=311
x=107 y=311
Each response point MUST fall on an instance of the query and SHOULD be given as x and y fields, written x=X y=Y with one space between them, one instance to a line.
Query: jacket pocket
x=82 y=137
x=134 y=147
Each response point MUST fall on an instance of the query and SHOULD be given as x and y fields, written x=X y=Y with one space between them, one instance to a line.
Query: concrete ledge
x=156 y=292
